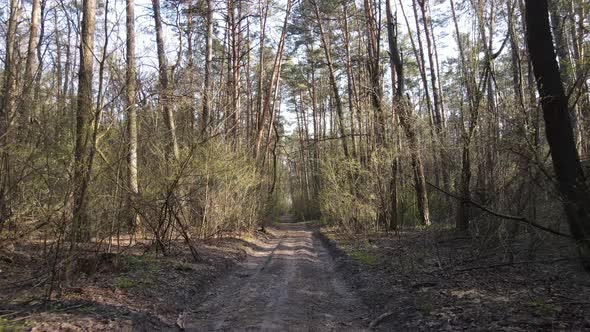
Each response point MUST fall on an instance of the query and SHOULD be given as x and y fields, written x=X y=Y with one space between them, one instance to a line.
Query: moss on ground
x=7 y=325
x=364 y=257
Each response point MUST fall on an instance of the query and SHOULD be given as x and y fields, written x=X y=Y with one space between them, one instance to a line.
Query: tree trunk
x=422 y=67
x=349 y=79
x=570 y=177
x=235 y=38
x=263 y=11
x=333 y=83
x=403 y=109
x=474 y=98
x=205 y=116
x=84 y=123
x=132 y=182
x=7 y=112
x=397 y=88
x=31 y=64
x=434 y=82
x=273 y=80
x=373 y=51
x=165 y=93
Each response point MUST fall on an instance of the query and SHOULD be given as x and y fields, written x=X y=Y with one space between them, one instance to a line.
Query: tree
x=571 y=181
x=31 y=64
x=373 y=53
x=83 y=153
x=205 y=116
x=172 y=150
x=333 y=83
x=7 y=112
x=405 y=118
x=130 y=84
x=274 y=79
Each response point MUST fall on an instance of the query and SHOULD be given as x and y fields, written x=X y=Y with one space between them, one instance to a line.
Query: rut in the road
x=288 y=284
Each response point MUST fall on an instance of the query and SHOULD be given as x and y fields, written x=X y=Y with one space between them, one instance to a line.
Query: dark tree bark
x=274 y=80
x=373 y=51
x=7 y=111
x=165 y=93
x=208 y=59
x=83 y=153
x=31 y=64
x=405 y=119
x=263 y=12
x=559 y=132
x=349 y=78
x=333 y=83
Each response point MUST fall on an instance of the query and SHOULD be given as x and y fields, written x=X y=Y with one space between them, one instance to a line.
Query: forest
x=294 y=165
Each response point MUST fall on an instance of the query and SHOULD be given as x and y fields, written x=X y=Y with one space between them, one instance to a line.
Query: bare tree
x=274 y=79
x=405 y=118
x=571 y=181
x=31 y=63
x=83 y=153
x=172 y=149
x=333 y=83
x=205 y=116
x=130 y=84
x=8 y=111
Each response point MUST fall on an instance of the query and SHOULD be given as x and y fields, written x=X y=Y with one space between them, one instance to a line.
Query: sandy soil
x=287 y=284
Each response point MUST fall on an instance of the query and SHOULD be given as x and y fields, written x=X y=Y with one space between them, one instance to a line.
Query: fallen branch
x=380 y=319
x=500 y=215
x=516 y=263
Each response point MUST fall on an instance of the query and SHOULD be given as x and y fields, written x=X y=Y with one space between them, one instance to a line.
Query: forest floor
x=298 y=277
x=434 y=280
x=283 y=279
x=141 y=292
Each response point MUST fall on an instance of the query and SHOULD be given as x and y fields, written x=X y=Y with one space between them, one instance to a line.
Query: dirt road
x=288 y=284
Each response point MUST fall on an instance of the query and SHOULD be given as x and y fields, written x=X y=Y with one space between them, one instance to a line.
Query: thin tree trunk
x=462 y=216
x=131 y=90
x=8 y=112
x=397 y=88
x=436 y=95
x=273 y=80
x=165 y=93
x=422 y=67
x=205 y=116
x=31 y=63
x=403 y=109
x=83 y=154
x=249 y=89
x=333 y=83
x=263 y=11
x=373 y=50
x=349 y=79
x=433 y=77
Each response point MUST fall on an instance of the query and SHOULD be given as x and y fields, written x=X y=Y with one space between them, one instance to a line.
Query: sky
x=444 y=35
x=147 y=59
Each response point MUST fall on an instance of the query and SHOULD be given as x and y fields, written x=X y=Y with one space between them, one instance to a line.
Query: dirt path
x=288 y=284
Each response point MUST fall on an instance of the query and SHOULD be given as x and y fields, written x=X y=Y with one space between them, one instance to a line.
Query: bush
x=347 y=197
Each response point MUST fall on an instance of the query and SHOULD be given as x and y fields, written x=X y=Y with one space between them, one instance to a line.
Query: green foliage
x=347 y=197
x=123 y=282
x=145 y=262
x=182 y=266
x=7 y=325
x=424 y=304
x=227 y=185
x=364 y=257
x=220 y=188
x=305 y=209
